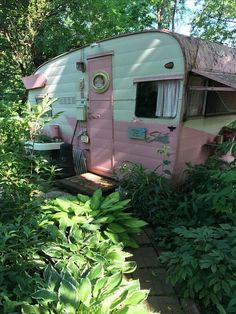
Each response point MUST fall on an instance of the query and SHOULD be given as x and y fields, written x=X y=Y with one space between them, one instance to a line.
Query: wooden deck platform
x=87 y=183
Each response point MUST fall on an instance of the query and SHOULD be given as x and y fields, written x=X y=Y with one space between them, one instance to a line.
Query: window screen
x=209 y=102
x=157 y=99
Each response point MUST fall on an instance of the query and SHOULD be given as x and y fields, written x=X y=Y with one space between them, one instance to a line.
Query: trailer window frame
x=147 y=98
x=211 y=92
x=39 y=99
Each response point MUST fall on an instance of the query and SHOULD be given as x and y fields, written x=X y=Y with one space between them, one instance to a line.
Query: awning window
x=34 y=81
x=227 y=79
x=211 y=93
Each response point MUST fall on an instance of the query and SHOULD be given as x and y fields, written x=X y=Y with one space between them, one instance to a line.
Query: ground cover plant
x=65 y=255
x=195 y=225
x=59 y=258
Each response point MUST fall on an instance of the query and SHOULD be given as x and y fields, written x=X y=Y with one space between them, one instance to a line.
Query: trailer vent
x=79 y=161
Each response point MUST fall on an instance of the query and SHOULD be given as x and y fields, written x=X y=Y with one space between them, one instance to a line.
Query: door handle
x=94 y=115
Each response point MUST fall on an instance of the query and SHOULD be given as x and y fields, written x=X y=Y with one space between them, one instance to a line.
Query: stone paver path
x=151 y=274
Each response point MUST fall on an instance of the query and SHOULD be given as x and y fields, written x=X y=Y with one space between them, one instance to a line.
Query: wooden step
x=87 y=183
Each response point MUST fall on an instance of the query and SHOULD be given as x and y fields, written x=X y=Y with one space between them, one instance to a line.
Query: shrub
x=208 y=197
x=149 y=192
x=203 y=265
x=20 y=175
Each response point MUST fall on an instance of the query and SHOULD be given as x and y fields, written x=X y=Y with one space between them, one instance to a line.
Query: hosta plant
x=106 y=214
x=90 y=291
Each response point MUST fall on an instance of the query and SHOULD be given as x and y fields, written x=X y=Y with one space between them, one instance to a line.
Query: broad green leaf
x=45 y=295
x=106 y=305
x=32 y=309
x=96 y=272
x=80 y=220
x=113 y=237
x=133 y=223
x=68 y=294
x=220 y=308
x=63 y=204
x=91 y=227
x=96 y=199
x=73 y=268
x=110 y=200
x=54 y=251
x=133 y=285
x=47 y=273
x=78 y=259
x=69 y=276
x=127 y=240
x=77 y=209
x=83 y=198
x=119 y=300
x=59 y=215
x=116 y=256
x=113 y=282
x=99 y=285
x=116 y=228
x=65 y=222
x=105 y=219
x=85 y=291
x=136 y=297
x=137 y=309
x=129 y=267
x=118 y=207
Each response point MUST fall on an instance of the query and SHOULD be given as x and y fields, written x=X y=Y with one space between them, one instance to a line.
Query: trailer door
x=100 y=125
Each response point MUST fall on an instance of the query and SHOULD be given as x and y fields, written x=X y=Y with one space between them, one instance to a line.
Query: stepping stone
x=164 y=305
x=142 y=239
x=155 y=280
x=87 y=183
x=189 y=306
x=145 y=257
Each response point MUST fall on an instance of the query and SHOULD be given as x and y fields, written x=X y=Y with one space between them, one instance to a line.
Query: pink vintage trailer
x=134 y=93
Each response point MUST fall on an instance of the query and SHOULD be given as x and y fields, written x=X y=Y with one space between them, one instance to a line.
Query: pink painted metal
x=100 y=124
x=34 y=81
x=191 y=149
x=145 y=151
x=54 y=131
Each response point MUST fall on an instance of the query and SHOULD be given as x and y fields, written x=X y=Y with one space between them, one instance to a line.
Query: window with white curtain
x=157 y=99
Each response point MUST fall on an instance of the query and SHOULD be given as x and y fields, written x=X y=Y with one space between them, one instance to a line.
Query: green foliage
x=79 y=293
x=206 y=198
x=150 y=193
x=21 y=175
x=50 y=267
x=203 y=265
x=32 y=31
x=106 y=214
x=215 y=21
x=197 y=224
x=211 y=192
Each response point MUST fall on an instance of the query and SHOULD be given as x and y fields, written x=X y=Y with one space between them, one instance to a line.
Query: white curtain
x=167 y=98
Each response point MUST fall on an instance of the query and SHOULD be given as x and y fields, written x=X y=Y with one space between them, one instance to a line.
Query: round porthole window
x=100 y=81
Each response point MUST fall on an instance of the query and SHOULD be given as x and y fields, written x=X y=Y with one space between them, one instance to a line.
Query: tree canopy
x=216 y=21
x=32 y=31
